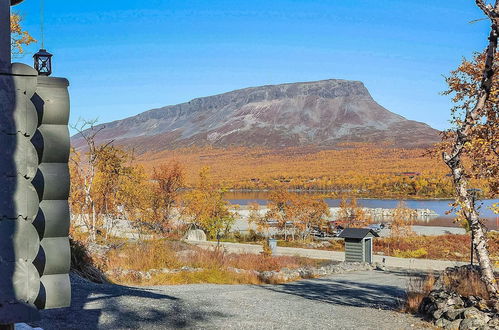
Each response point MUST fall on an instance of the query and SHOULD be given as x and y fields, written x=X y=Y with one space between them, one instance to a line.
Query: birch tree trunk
x=453 y=159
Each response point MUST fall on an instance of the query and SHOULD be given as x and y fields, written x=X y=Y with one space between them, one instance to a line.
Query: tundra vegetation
x=359 y=170
x=108 y=186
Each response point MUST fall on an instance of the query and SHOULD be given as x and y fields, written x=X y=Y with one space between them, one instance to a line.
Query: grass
x=443 y=247
x=210 y=276
x=216 y=265
x=465 y=282
x=417 y=289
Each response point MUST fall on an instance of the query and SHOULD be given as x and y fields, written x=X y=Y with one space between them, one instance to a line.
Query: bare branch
x=487 y=9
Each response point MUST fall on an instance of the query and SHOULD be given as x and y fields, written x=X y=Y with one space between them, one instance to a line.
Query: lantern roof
x=43 y=52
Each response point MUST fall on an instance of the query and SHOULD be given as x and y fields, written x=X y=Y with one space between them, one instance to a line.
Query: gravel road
x=361 y=300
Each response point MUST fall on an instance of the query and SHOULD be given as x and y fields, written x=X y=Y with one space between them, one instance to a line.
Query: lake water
x=439 y=206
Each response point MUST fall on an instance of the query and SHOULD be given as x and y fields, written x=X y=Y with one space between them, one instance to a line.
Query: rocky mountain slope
x=321 y=113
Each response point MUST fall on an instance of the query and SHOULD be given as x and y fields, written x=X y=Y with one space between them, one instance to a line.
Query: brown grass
x=465 y=282
x=417 y=289
x=210 y=276
x=443 y=247
x=84 y=265
x=216 y=264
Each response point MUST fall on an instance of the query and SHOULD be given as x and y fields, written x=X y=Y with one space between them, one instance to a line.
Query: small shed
x=358 y=244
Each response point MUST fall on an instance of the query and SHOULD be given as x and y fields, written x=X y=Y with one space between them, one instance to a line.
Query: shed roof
x=357 y=233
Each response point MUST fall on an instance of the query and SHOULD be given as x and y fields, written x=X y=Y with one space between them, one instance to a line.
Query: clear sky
x=124 y=57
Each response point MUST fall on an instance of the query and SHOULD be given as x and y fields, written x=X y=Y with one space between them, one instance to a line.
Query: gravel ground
x=362 y=300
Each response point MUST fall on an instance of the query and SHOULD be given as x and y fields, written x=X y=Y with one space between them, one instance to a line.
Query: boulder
x=474 y=313
x=454 y=313
x=442 y=323
x=454 y=325
x=494 y=322
x=472 y=324
x=196 y=235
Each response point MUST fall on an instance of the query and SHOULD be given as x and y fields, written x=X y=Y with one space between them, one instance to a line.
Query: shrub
x=464 y=281
x=217 y=265
x=417 y=289
x=419 y=253
x=84 y=265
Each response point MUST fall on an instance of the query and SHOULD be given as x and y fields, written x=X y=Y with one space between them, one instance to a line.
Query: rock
x=453 y=314
x=437 y=314
x=196 y=235
x=474 y=313
x=442 y=323
x=494 y=322
x=454 y=325
x=472 y=324
x=483 y=306
x=455 y=301
x=471 y=301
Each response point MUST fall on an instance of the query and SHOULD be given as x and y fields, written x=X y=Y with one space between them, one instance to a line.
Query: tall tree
x=168 y=179
x=206 y=207
x=475 y=136
x=105 y=184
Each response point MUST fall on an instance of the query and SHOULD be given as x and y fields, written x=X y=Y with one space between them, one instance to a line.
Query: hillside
x=322 y=114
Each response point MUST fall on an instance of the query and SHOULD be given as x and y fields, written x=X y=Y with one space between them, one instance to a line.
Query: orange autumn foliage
x=360 y=170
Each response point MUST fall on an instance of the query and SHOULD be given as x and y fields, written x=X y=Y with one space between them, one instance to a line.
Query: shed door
x=368 y=250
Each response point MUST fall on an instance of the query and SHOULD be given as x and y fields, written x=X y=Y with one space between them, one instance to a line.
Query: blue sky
x=124 y=57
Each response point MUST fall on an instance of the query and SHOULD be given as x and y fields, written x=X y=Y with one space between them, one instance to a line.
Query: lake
x=439 y=206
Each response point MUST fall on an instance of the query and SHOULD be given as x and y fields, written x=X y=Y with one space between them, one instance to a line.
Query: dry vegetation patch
x=443 y=247
x=172 y=262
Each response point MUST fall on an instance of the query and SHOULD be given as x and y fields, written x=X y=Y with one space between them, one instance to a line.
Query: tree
x=403 y=219
x=260 y=220
x=104 y=182
x=353 y=214
x=168 y=180
x=298 y=212
x=475 y=136
x=206 y=207
x=19 y=37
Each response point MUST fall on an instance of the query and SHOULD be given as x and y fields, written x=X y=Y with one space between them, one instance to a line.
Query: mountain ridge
x=321 y=113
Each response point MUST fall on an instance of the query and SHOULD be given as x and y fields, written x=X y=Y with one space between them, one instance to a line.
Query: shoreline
x=325 y=192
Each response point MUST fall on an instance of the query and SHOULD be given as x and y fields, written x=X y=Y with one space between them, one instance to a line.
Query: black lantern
x=43 y=62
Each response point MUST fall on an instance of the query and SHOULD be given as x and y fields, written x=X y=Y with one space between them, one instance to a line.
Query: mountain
x=320 y=113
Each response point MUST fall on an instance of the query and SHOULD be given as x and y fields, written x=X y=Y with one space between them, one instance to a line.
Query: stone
x=494 y=322
x=454 y=325
x=456 y=301
x=437 y=314
x=196 y=235
x=453 y=314
x=442 y=323
x=471 y=301
x=474 y=313
x=472 y=324
x=482 y=305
